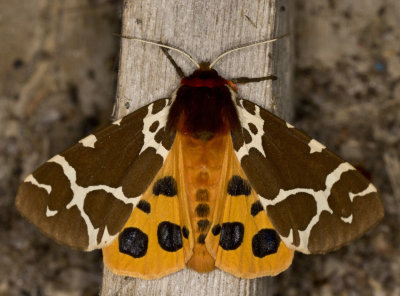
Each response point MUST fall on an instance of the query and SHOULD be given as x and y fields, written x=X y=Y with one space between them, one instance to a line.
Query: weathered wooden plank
x=204 y=29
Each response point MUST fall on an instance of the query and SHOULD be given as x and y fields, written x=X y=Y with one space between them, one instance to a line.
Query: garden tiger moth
x=204 y=179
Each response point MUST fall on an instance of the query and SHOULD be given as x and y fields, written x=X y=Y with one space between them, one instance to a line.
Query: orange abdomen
x=202 y=162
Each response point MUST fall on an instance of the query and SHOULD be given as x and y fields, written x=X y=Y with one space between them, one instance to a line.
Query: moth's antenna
x=161 y=45
x=246 y=46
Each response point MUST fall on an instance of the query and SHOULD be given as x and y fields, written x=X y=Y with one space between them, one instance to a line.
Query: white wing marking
x=149 y=137
x=50 y=213
x=79 y=195
x=321 y=200
x=289 y=125
x=370 y=189
x=348 y=219
x=245 y=118
x=89 y=141
x=117 y=122
x=315 y=146
x=31 y=179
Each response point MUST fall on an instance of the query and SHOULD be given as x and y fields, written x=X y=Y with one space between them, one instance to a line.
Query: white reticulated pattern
x=31 y=179
x=321 y=200
x=149 y=136
x=79 y=194
x=246 y=118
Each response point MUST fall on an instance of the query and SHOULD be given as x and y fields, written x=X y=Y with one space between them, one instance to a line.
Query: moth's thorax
x=203 y=106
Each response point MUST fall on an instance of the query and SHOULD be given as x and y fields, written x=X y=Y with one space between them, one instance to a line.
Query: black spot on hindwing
x=169 y=236
x=256 y=208
x=231 y=235
x=165 y=186
x=238 y=186
x=185 y=232
x=216 y=229
x=133 y=242
x=144 y=206
x=265 y=242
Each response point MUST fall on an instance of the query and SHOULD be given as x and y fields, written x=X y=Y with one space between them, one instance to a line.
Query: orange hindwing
x=201 y=212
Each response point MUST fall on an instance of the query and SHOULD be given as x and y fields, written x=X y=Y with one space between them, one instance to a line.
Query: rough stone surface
x=347 y=96
x=57 y=83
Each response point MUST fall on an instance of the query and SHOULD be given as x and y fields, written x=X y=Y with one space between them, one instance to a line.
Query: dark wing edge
x=83 y=196
x=315 y=200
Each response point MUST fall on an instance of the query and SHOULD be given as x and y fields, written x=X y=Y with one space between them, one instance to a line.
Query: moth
x=204 y=179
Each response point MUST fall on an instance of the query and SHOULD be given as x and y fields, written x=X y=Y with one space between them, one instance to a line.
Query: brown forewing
x=108 y=161
x=305 y=187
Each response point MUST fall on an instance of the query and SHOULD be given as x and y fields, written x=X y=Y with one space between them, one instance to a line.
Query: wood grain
x=204 y=29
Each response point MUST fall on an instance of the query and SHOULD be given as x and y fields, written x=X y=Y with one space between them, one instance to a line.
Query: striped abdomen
x=203 y=162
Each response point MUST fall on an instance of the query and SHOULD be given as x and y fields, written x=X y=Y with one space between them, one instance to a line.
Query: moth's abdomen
x=202 y=162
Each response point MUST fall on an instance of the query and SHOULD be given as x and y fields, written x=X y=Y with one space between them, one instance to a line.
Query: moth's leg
x=177 y=68
x=244 y=80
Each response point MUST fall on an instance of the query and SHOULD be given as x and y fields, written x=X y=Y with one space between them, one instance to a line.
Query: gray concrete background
x=57 y=82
